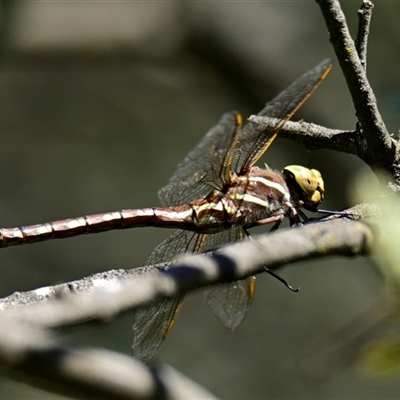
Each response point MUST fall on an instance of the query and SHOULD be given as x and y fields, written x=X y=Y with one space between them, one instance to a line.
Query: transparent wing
x=231 y=301
x=152 y=323
x=198 y=173
x=150 y=326
x=254 y=139
x=196 y=176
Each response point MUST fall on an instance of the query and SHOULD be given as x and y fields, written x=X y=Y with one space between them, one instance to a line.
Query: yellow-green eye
x=305 y=177
x=309 y=181
x=320 y=181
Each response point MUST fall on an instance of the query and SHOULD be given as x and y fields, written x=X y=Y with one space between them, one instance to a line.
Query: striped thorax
x=259 y=195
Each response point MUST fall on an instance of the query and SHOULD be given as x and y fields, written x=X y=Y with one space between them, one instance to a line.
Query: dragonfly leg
x=277 y=219
x=274 y=274
x=295 y=220
x=344 y=213
x=275 y=226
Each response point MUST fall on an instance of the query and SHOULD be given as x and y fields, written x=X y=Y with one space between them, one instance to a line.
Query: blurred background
x=99 y=103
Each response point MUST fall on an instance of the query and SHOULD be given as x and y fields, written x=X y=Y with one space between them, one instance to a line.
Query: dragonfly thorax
x=246 y=199
x=259 y=194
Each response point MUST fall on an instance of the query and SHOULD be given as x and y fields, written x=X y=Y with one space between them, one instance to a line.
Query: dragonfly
x=215 y=195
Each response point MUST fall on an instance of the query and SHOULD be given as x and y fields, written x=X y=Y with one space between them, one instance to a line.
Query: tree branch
x=364 y=21
x=313 y=136
x=45 y=362
x=115 y=292
x=376 y=147
x=26 y=347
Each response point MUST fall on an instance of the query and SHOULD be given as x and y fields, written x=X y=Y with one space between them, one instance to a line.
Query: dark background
x=100 y=101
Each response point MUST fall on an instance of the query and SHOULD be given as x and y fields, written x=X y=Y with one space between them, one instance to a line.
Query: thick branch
x=232 y=262
x=46 y=362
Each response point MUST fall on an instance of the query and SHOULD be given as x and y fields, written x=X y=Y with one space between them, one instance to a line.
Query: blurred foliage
x=381 y=356
x=386 y=247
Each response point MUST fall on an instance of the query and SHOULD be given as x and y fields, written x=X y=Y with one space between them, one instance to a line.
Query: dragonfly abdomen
x=169 y=217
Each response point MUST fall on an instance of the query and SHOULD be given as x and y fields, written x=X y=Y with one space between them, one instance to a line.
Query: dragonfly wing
x=181 y=241
x=255 y=140
x=231 y=301
x=198 y=173
x=152 y=323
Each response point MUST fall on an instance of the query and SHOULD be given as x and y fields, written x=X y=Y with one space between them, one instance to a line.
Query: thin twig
x=313 y=136
x=364 y=22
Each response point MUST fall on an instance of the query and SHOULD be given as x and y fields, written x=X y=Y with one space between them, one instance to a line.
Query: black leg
x=276 y=276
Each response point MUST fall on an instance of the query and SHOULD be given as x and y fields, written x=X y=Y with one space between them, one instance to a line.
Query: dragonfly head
x=306 y=186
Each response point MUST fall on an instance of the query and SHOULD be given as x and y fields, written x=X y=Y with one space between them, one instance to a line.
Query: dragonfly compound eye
x=309 y=181
x=304 y=177
x=318 y=195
